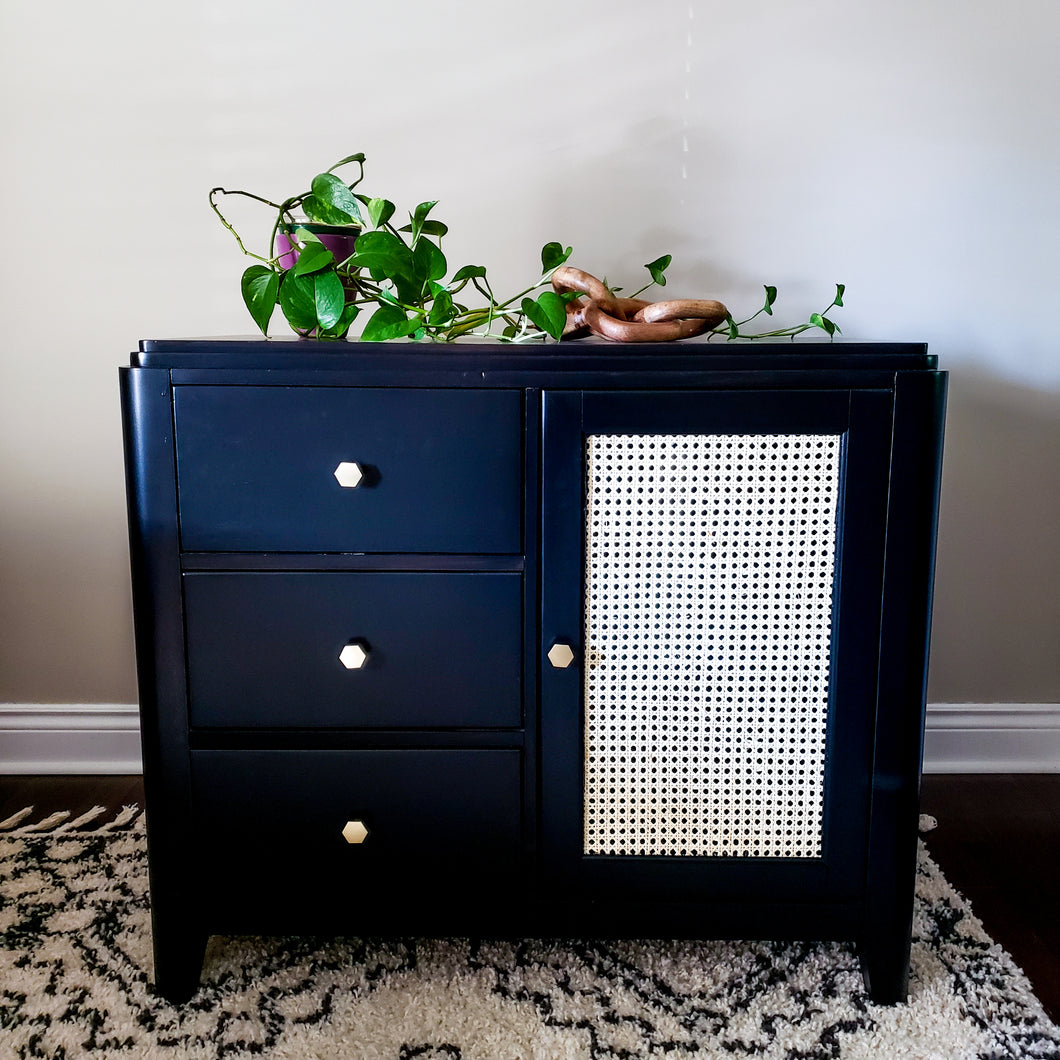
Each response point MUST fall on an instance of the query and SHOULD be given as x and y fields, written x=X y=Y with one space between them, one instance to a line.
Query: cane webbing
x=707 y=644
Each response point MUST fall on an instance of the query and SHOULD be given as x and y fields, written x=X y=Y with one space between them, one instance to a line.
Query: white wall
x=909 y=149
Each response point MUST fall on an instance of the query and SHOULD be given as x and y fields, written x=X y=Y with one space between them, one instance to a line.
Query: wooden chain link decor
x=631 y=319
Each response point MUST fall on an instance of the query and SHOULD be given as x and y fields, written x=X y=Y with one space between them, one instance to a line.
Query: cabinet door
x=713 y=561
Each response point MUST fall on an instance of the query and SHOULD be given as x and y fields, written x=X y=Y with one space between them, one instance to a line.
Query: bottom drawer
x=270 y=824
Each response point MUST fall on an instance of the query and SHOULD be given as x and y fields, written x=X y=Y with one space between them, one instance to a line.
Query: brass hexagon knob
x=353 y=656
x=560 y=655
x=349 y=474
x=355 y=832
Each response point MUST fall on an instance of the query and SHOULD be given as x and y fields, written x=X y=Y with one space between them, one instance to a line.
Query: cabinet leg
x=885 y=966
x=178 y=952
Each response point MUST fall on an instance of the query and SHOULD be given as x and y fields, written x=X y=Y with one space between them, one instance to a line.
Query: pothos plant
x=399 y=274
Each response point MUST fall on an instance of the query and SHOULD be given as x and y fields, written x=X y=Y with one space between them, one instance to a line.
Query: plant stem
x=635 y=294
x=285 y=216
x=522 y=294
x=740 y=323
x=224 y=220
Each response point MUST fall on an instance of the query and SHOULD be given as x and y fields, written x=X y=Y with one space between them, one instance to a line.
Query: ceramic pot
x=339 y=239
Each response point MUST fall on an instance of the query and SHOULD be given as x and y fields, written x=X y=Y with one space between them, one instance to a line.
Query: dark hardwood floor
x=49 y=794
x=998 y=843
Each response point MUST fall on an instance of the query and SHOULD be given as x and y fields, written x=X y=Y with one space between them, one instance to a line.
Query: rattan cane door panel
x=710 y=562
x=714 y=560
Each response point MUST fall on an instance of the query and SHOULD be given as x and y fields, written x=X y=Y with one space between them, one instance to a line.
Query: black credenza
x=503 y=641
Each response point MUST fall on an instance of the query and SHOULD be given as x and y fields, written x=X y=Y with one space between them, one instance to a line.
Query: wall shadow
x=996 y=633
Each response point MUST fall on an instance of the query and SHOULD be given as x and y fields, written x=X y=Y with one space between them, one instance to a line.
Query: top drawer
x=441 y=469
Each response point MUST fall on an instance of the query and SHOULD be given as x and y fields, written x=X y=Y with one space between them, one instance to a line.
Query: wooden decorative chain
x=631 y=319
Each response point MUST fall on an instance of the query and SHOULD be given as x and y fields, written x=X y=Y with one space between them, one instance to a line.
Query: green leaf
x=313 y=257
x=329 y=298
x=823 y=323
x=771 y=297
x=429 y=261
x=409 y=291
x=419 y=219
x=388 y=322
x=332 y=190
x=261 y=287
x=441 y=311
x=359 y=157
x=548 y=312
x=421 y=211
x=840 y=288
x=324 y=213
x=384 y=255
x=349 y=314
x=734 y=328
x=428 y=228
x=553 y=255
x=658 y=267
x=468 y=272
x=298 y=301
x=379 y=210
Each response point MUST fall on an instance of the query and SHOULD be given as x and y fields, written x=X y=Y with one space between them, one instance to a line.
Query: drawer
x=443 y=649
x=268 y=819
x=441 y=471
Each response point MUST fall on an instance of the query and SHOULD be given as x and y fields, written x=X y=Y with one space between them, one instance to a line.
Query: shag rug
x=75 y=967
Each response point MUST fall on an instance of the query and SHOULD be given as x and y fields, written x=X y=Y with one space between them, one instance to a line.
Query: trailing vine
x=335 y=253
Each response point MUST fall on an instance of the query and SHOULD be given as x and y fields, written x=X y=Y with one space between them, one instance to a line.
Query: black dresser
x=567 y=640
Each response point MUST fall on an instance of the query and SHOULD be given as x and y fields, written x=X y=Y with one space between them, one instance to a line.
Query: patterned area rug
x=75 y=965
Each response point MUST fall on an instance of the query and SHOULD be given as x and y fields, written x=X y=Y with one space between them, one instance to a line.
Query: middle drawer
x=422 y=649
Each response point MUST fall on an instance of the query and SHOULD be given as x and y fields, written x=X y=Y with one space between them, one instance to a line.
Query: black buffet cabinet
x=572 y=640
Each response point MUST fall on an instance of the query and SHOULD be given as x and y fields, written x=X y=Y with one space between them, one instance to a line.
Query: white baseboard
x=77 y=738
x=70 y=738
x=992 y=738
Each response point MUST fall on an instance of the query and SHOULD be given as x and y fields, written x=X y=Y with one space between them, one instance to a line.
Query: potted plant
x=335 y=253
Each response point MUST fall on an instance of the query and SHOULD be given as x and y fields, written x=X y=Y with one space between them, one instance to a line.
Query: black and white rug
x=75 y=982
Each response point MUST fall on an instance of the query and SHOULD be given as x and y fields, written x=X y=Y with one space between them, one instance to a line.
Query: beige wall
x=996 y=632
x=909 y=149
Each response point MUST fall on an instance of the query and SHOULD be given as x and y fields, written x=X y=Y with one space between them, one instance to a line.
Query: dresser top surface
x=293 y=353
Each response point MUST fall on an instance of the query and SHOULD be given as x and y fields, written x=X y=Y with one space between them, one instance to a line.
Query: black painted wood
x=437 y=821
x=321 y=561
x=472 y=360
x=442 y=469
x=158 y=610
x=909 y=563
x=478 y=483
x=443 y=649
x=531 y=623
x=863 y=419
x=325 y=739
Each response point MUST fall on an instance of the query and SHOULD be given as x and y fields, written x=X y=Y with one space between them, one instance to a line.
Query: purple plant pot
x=339 y=239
